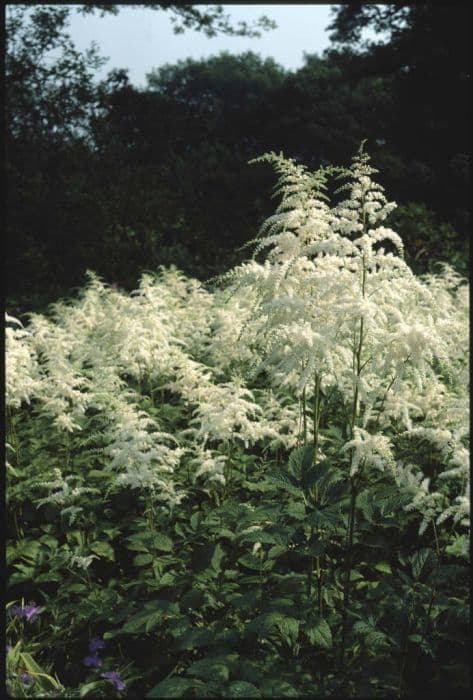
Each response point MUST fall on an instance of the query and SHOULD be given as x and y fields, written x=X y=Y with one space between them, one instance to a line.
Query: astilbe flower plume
x=326 y=307
x=336 y=306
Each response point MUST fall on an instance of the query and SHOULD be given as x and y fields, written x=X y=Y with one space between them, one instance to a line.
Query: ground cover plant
x=258 y=489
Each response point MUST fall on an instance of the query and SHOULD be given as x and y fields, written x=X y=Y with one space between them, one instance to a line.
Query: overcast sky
x=140 y=39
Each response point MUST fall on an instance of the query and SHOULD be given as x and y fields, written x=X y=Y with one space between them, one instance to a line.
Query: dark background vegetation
x=108 y=177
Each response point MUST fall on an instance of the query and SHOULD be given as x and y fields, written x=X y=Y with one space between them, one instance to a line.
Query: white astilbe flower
x=63 y=391
x=209 y=464
x=280 y=421
x=369 y=450
x=62 y=492
x=82 y=562
x=459 y=511
x=327 y=309
x=222 y=411
x=413 y=483
x=225 y=412
x=140 y=453
x=227 y=345
x=22 y=380
x=460 y=547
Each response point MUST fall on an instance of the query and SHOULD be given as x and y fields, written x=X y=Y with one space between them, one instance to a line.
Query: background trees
x=102 y=175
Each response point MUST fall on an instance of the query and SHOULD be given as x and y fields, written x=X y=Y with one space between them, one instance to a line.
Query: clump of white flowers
x=326 y=312
x=337 y=309
x=21 y=370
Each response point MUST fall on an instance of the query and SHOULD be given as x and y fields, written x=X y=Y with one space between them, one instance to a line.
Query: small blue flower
x=95 y=645
x=92 y=661
x=29 y=613
x=26 y=679
x=115 y=678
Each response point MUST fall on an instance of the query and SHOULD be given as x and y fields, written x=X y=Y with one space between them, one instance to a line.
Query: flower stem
x=348 y=568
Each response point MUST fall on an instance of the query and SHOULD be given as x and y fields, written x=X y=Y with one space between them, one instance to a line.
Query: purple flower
x=16 y=611
x=92 y=661
x=96 y=644
x=8 y=648
x=29 y=613
x=115 y=678
x=26 y=678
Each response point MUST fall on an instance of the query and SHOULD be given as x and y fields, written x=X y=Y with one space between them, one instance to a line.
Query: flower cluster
x=29 y=612
x=93 y=660
x=326 y=313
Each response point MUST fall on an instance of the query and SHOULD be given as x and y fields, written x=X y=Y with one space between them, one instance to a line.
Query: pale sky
x=141 y=39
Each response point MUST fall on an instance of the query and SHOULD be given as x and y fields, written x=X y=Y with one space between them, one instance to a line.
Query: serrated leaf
x=142 y=559
x=300 y=461
x=162 y=542
x=171 y=688
x=296 y=510
x=137 y=623
x=97 y=474
x=88 y=687
x=421 y=562
x=241 y=689
x=283 y=482
x=289 y=628
x=195 y=520
x=319 y=633
x=383 y=567
x=375 y=639
x=328 y=516
x=276 y=688
x=217 y=556
x=194 y=638
x=103 y=549
x=215 y=668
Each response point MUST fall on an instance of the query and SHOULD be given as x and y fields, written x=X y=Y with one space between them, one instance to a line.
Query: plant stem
x=348 y=567
x=304 y=416
x=404 y=655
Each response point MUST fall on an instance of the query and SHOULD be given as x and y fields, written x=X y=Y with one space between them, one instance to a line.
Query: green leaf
x=296 y=510
x=97 y=474
x=194 y=638
x=171 y=688
x=300 y=461
x=241 y=689
x=195 y=520
x=328 y=516
x=319 y=633
x=103 y=549
x=162 y=542
x=215 y=668
x=283 y=482
x=421 y=562
x=266 y=623
x=277 y=688
x=142 y=559
x=289 y=628
x=137 y=623
x=383 y=567
x=312 y=475
x=86 y=688
x=217 y=556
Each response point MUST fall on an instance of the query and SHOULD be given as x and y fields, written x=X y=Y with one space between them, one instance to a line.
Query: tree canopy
x=106 y=176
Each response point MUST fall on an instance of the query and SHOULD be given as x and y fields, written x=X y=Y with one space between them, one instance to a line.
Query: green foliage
x=265 y=565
